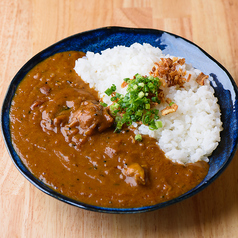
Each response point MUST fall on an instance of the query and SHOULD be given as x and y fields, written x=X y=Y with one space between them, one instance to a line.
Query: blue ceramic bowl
x=100 y=39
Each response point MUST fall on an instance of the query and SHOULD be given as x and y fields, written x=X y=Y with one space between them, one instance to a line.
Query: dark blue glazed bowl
x=100 y=39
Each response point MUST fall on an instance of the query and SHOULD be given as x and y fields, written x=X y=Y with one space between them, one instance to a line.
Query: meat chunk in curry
x=91 y=116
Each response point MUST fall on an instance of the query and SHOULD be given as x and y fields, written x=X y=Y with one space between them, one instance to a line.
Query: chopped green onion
x=113 y=99
x=138 y=137
x=141 y=94
x=147 y=106
x=103 y=104
x=154 y=99
x=136 y=104
x=135 y=86
x=158 y=124
x=109 y=91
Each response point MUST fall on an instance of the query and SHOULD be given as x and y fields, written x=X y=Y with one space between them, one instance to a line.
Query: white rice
x=188 y=135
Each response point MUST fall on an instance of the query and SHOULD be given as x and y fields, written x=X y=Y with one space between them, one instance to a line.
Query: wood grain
x=28 y=26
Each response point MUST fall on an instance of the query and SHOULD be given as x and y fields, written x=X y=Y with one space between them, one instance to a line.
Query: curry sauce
x=67 y=140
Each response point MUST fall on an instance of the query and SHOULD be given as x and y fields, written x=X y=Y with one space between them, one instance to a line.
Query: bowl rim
x=44 y=188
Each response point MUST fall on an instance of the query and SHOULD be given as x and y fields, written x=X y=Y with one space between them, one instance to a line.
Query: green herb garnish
x=138 y=137
x=103 y=104
x=109 y=91
x=137 y=104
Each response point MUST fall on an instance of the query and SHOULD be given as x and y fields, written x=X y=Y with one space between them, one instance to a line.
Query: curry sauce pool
x=89 y=163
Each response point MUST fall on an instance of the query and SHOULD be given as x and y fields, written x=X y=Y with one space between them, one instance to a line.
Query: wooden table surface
x=29 y=26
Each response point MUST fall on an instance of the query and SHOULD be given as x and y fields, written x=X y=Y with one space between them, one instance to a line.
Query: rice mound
x=188 y=135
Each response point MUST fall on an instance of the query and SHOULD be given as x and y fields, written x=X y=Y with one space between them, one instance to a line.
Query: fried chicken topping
x=168 y=71
x=169 y=109
x=201 y=77
x=171 y=74
x=124 y=84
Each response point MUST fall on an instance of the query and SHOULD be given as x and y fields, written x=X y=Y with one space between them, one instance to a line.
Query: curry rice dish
x=68 y=138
